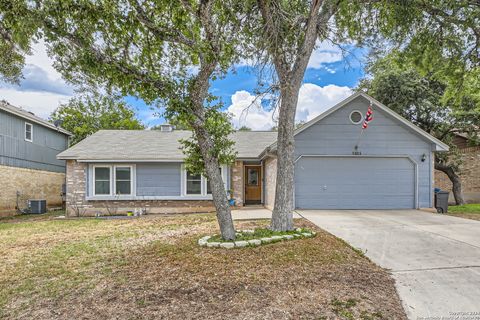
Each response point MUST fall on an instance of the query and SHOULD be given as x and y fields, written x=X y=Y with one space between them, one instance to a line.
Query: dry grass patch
x=152 y=268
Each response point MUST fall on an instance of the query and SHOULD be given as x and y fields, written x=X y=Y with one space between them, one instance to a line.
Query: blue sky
x=328 y=79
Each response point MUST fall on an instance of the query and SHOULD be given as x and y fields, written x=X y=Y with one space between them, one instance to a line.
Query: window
x=356 y=117
x=252 y=177
x=28 y=132
x=197 y=184
x=194 y=183
x=102 y=180
x=123 y=180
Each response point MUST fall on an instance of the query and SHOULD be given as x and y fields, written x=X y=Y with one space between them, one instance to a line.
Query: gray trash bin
x=441 y=201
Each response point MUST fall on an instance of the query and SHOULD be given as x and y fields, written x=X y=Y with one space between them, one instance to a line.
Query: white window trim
x=132 y=185
x=93 y=181
x=350 y=117
x=203 y=195
x=31 y=132
x=112 y=195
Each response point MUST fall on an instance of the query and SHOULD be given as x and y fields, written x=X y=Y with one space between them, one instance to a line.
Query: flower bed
x=253 y=238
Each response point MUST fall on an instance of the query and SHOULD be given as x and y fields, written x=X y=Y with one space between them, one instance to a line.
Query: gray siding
x=159 y=179
x=336 y=135
x=39 y=154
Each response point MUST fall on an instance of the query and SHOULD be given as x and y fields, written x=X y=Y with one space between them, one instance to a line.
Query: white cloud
x=43 y=88
x=248 y=112
x=324 y=52
x=40 y=103
x=312 y=101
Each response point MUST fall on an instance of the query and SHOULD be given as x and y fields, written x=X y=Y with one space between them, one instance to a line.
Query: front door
x=253 y=184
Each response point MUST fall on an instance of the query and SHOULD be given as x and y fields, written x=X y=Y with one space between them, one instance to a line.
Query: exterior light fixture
x=424 y=157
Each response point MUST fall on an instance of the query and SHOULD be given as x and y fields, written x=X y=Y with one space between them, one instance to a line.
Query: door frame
x=260 y=183
x=380 y=156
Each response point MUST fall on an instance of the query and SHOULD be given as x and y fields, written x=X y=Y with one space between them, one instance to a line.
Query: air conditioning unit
x=37 y=206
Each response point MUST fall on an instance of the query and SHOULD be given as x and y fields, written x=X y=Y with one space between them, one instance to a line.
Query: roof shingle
x=155 y=145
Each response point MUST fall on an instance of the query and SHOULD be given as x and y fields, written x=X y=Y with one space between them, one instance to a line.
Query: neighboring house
x=470 y=173
x=29 y=168
x=392 y=167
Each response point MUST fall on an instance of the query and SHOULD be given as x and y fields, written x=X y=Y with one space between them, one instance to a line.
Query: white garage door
x=354 y=183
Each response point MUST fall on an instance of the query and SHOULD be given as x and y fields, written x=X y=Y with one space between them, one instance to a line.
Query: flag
x=368 y=117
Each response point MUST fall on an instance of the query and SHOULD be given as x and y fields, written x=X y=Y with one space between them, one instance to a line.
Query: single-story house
x=388 y=166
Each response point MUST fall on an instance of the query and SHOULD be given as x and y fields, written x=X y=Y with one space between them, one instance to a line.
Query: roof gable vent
x=166 y=127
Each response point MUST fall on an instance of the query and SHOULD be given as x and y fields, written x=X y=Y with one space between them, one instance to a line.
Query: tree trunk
x=219 y=194
x=198 y=95
x=282 y=215
x=456 y=182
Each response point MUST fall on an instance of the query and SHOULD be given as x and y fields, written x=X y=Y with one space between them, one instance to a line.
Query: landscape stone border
x=203 y=242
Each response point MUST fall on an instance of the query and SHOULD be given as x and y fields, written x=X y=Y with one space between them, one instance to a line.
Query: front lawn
x=152 y=268
x=469 y=211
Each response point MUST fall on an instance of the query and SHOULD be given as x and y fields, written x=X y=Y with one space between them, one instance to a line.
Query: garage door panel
x=354 y=183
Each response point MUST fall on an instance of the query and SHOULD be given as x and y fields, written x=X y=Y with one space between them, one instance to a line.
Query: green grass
x=257 y=234
x=467 y=208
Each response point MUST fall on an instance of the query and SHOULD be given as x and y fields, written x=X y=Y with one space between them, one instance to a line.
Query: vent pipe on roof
x=166 y=127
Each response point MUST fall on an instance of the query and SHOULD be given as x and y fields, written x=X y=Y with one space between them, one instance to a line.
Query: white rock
x=248 y=231
x=255 y=242
x=306 y=234
x=266 y=240
x=296 y=235
x=206 y=238
x=298 y=229
x=288 y=237
x=227 y=245
x=202 y=242
x=213 y=244
x=241 y=244
x=277 y=237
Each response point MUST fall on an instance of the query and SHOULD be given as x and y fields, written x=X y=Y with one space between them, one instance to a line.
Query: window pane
x=102 y=181
x=252 y=176
x=193 y=176
x=122 y=173
x=123 y=187
x=194 y=186
x=28 y=132
x=102 y=187
x=102 y=173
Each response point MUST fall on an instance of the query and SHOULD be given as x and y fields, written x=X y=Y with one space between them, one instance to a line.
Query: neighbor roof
x=439 y=145
x=30 y=117
x=156 y=145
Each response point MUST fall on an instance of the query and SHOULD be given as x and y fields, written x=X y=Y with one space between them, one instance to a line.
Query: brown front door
x=253 y=184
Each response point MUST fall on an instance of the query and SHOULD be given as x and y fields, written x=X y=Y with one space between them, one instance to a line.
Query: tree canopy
x=86 y=114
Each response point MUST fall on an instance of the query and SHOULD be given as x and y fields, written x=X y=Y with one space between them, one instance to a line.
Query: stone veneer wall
x=470 y=176
x=32 y=184
x=237 y=182
x=270 y=174
x=77 y=204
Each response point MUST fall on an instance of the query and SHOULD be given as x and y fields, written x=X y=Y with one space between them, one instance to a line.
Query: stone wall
x=470 y=176
x=31 y=184
x=270 y=173
x=237 y=182
x=78 y=205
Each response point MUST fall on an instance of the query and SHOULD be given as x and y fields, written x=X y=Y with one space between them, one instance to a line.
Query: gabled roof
x=19 y=112
x=156 y=145
x=439 y=145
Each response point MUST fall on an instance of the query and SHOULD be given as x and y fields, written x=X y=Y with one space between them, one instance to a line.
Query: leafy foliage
x=218 y=126
x=85 y=115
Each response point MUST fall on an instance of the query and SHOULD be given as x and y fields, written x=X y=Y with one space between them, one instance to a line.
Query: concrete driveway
x=435 y=259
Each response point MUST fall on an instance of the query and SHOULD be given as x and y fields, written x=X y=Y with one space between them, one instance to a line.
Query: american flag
x=368 y=117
